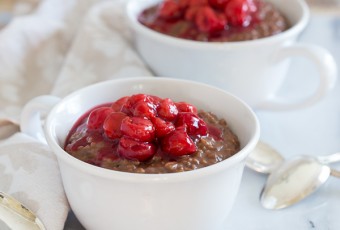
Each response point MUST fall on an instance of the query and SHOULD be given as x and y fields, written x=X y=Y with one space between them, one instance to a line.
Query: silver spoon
x=264 y=158
x=296 y=179
x=14 y=215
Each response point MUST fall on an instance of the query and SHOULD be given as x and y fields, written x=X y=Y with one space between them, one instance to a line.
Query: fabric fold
x=61 y=47
x=29 y=173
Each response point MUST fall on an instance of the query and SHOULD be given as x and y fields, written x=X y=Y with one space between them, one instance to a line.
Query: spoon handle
x=335 y=157
x=335 y=173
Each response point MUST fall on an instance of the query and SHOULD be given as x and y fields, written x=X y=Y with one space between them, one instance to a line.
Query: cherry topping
x=199 y=2
x=81 y=142
x=155 y=100
x=239 y=12
x=191 y=3
x=186 y=107
x=144 y=109
x=135 y=99
x=191 y=13
x=135 y=150
x=97 y=117
x=117 y=105
x=167 y=110
x=162 y=127
x=169 y=9
x=207 y=20
x=209 y=16
x=178 y=143
x=139 y=128
x=131 y=101
x=195 y=126
x=133 y=126
x=112 y=125
x=215 y=132
x=219 y=4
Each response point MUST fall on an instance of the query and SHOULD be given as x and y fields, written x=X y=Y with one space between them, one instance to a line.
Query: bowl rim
x=179 y=42
x=152 y=178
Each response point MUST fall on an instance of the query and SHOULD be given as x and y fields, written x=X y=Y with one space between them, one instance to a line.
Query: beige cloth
x=62 y=46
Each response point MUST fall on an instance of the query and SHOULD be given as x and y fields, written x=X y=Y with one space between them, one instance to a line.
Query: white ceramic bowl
x=106 y=199
x=253 y=70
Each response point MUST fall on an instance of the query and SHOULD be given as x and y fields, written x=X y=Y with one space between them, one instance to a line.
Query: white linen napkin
x=29 y=172
x=32 y=51
x=101 y=51
x=55 y=50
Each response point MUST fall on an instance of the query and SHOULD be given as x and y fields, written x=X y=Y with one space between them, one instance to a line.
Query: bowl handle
x=326 y=68
x=33 y=115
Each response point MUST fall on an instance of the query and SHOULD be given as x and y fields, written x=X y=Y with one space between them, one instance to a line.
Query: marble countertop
x=314 y=131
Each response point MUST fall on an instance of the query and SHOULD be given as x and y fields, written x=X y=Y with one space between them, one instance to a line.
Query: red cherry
x=178 y=143
x=191 y=3
x=162 y=127
x=207 y=20
x=198 y=2
x=219 y=4
x=169 y=9
x=133 y=100
x=154 y=100
x=167 y=110
x=97 y=117
x=135 y=150
x=144 y=109
x=239 y=12
x=183 y=3
x=186 y=107
x=195 y=125
x=138 y=128
x=215 y=132
x=117 y=105
x=112 y=125
x=191 y=12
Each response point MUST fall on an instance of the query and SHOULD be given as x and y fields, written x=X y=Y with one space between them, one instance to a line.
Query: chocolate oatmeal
x=215 y=20
x=147 y=134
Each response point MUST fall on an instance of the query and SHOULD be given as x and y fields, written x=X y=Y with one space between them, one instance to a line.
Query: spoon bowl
x=289 y=181
x=264 y=158
x=14 y=215
x=293 y=181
